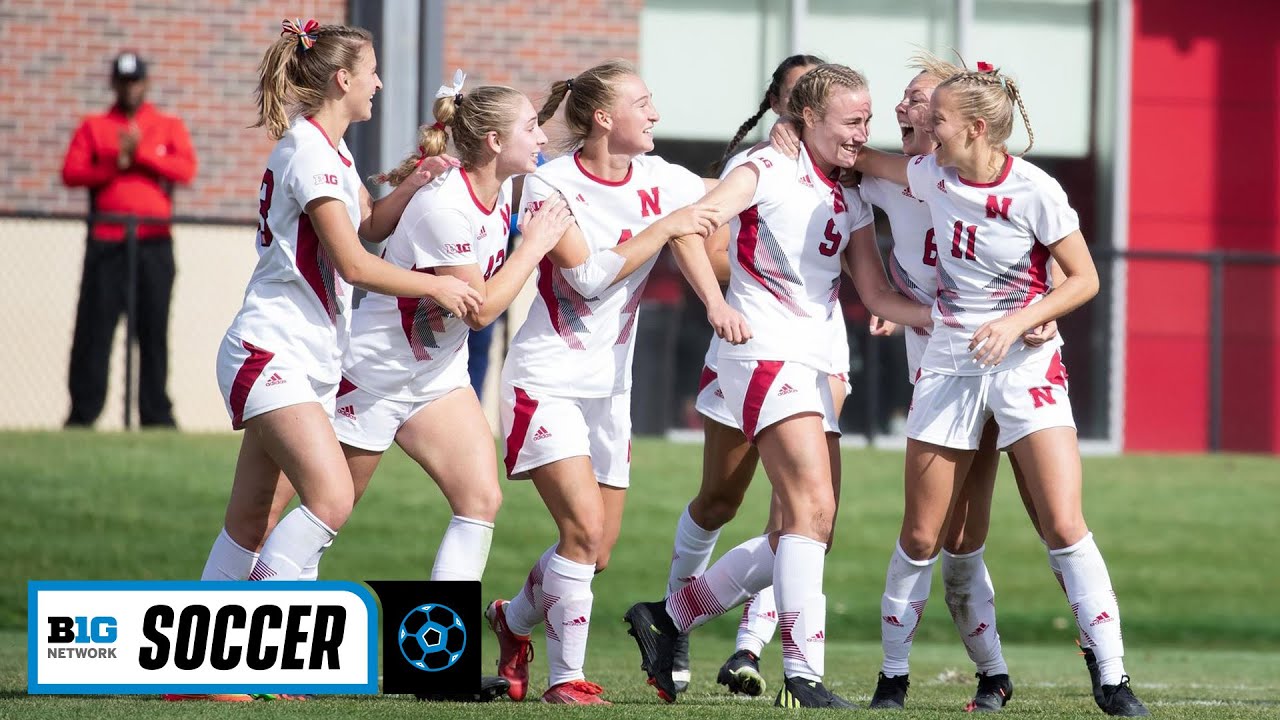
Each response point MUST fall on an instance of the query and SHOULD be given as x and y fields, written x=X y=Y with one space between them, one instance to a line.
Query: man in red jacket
x=129 y=157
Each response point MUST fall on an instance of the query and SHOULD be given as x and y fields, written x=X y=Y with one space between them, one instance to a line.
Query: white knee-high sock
x=1085 y=642
x=802 y=608
x=311 y=571
x=759 y=620
x=525 y=609
x=971 y=598
x=906 y=590
x=1084 y=573
x=228 y=560
x=736 y=576
x=296 y=539
x=464 y=550
x=692 y=552
x=566 y=602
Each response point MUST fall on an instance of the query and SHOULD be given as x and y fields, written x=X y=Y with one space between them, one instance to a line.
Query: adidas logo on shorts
x=275 y=379
x=541 y=434
x=786 y=389
x=348 y=411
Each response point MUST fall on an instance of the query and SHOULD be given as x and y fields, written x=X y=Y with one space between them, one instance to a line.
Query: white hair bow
x=456 y=88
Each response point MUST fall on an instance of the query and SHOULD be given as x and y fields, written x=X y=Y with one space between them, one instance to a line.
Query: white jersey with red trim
x=840 y=337
x=915 y=254
x=993 y=254
x=575 y=346
x=400 y=347
x=784 y=260
x=296 y=301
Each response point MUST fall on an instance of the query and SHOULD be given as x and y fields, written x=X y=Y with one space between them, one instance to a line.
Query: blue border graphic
x=370 y=687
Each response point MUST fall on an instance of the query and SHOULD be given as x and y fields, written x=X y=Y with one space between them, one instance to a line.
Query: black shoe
x=993 y=692
x=1119 y=700
x=491 y=688
x=1095 y=677
x=891 y=693
x=741 y=674
x=655 y=635
x=798 y=692
x=680 y=674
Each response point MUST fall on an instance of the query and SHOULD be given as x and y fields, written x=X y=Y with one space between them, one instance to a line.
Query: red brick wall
x=528 y=44
x=54 y=63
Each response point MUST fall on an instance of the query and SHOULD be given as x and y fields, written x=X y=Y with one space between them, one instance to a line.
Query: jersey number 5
x=831 y=245
x=264 y=206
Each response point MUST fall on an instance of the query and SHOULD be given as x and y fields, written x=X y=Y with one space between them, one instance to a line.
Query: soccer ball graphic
x=432 y=637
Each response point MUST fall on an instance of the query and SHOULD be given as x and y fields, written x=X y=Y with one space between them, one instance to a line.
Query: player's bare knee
x=919 y=543
x=582 y=536
x=714 y=511
x=1065 y=532
x=481 y=503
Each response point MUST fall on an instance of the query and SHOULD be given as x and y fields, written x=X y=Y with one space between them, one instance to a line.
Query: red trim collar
x=828 y=181
x=1004 y=173
x=602 y=181
x=332 y=144
x=471 y=191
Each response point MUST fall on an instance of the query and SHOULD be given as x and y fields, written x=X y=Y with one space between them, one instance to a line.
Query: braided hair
x=772 y=94
x=991 y=95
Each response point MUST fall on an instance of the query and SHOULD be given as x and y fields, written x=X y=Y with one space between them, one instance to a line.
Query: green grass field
x=1185 y=538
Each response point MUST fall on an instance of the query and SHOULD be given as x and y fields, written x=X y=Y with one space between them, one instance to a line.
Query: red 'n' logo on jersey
x=649 y=203
x=998 y=206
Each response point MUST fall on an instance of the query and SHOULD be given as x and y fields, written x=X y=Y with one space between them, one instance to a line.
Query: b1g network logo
x=200 y=637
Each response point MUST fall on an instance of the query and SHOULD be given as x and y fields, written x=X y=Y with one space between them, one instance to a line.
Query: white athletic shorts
x=541 y=428
x=711 y=405
x=255 y=380
x=951 y=410
x=370 y=422
x=760 y=393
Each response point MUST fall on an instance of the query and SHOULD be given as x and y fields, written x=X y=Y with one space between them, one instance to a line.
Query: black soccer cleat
x=1095 y=677
x=1119 y=700
x=891 y=693
x=655 y=635
x=741 y=674
x=680 y=674
x=491 y=688
x=797 y=692
x=992 y=694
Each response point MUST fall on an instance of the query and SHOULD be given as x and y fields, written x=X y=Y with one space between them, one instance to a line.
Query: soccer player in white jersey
x=793 y=222
x=278 y=366
x=729 y=460
x=405 y=374
x=567 y=378
x=998 y=220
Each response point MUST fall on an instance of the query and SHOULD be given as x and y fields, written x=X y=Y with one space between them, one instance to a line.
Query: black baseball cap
x=128 y=66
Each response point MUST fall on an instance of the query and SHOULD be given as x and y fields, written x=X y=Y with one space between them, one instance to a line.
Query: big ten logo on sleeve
x=113 y=637
x=324 y=179
x=431 y=635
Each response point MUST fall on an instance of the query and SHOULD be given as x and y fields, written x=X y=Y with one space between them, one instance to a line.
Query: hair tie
x=437 y=125
x=985 y=67
x=305 y=31
x=455 y=88
x=457 y=99
x=568 y=85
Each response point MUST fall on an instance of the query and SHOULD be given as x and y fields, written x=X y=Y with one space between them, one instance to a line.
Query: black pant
x=102 y=302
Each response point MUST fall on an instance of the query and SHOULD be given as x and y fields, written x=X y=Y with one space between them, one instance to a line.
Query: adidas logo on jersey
x=941 y=186
x=893 y=620
x=719 y=393
x=906 y=192
x=348 y=411
x=275 y=379
x=806 y=181
x=579 y=621
x=1103 y=617
x=786 y=389
x=818 y=637
x=541 y=434
x=581 y=199
x=982 y=627
x=484 y=232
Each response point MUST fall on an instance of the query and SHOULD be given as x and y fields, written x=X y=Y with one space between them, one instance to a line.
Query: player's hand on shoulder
x=728 y=323
x=1035 y=337
x=542 y=228
x=785 y=139
x=453 y=294
x=430 y=169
